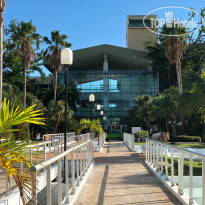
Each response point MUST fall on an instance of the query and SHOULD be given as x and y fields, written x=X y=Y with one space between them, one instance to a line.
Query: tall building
x=136 y=32
x=115 y=75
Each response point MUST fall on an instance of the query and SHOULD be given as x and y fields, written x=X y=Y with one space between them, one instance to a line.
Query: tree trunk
x=55 y=85
x=159 y=124
x=179 y=76
x=167 y=126
x=1 y=49
x=183 y=125
x=173 y=127
x=24 y=86
x=56 y=126
x=194 y=128
x=148 y=123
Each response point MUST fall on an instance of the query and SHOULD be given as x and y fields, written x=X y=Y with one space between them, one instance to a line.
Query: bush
x=142 y=134
x=183 y=138
x=114 y=137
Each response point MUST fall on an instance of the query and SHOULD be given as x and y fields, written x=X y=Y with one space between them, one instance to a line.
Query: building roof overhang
x=92 y=58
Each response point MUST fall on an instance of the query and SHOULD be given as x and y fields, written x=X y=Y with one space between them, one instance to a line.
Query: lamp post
x=66 y=61
x=91 y=100
x=99 y=107
x=101 y=112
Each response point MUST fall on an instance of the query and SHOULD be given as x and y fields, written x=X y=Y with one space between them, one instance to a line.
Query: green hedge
x=114 y=137
x=183 y=138
x=142 y=134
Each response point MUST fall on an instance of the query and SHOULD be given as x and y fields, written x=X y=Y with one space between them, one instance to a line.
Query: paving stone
x=121 y=177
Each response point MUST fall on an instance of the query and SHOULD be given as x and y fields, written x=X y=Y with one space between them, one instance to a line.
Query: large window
x=114 y=89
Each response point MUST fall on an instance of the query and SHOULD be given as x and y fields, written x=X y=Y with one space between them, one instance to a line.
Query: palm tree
x=56 y=112
x=143 y=106
x=93 y=126
x=2 y=8
x=158 y=112
x=175 y=48
x=56 y=44
x=169 y=103
x=12 y=152
x=24 y=38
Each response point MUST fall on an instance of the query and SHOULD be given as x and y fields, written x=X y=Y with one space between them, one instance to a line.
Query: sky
x=87 y=22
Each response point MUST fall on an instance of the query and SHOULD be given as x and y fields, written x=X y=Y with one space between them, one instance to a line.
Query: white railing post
x=148 y=150
x=157 y=151
x=166 y=163
x=44 y=152
x=81 y=164
x=86 y=156
x=182 y=173
x=58 y=143
x=49 y=150
x=61 y=144
x=73 y=171
x=191 y=200
x=77 y=168
x=49 y=198
x=151 y=153
x=66 y=179
x=179 y=170
x=154 y=163
x=59 y=183
x=83 y=160
x=161 y=151
x=54 y=145
x=172 y=167
x=203 y=181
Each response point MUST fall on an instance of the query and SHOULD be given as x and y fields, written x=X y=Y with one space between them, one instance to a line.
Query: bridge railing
x=39 y=152
x=81 y=155
x=101 y=140
x=51 y=137
x=156 y=155
x=129 y=140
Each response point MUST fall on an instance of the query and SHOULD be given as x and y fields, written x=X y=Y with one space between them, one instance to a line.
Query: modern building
x=37 y=83
x=115 y=75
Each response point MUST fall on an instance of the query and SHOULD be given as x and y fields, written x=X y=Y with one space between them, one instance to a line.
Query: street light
x=66 y=61
x=101 y=112
x=91 y=100
x=99 y=107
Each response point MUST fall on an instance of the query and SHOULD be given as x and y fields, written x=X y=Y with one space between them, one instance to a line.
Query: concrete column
x=106 y=88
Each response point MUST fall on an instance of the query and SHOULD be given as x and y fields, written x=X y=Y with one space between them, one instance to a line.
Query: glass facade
x=115 y=90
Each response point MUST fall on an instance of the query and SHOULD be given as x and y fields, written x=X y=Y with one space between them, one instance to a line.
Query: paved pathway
x=121 y=177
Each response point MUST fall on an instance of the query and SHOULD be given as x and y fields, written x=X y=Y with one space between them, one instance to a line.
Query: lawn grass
x=190 y=145
x=139 y=143
x=197 y=167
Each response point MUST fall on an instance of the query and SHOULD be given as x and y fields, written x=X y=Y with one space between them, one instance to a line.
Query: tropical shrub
x=183 y=138
x=142 y=134
x=93 y=126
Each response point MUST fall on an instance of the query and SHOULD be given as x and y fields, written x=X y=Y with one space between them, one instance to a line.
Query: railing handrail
x=129 y=139
x=56 y=158
x=156 y=156
x=179 y=149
